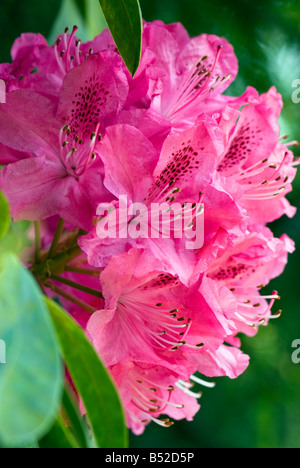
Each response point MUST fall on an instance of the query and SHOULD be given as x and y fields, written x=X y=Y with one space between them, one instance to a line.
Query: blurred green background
x=262 y=407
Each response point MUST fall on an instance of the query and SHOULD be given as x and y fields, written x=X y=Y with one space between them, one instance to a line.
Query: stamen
x=57 y=57
x=264 y=195
x=161 y=329
x=246 y=316
x=198 y=346
x=91 y=152
x=67 y=63
x=292 y=143
x=203 y=382
x=64 y=59
x=197 y=84
x=170 y=403
x=187 y=391
x=249 y=171
x=276 y=315
x=269 y=187
x=78 y=51
x=170 y=388
x=162 y=422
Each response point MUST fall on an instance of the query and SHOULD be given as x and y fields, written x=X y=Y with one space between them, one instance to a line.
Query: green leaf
x=92 y=381
x=124 y=19
x=76 y=422
x=4 y=216
x=58 y=437
x=31 y=380
x=16 y=238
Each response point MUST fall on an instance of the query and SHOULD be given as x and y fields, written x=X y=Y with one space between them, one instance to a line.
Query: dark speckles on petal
x=246 y=140
x=86 y=111
x=179 y=170
x=162 y=281
x=233 y=270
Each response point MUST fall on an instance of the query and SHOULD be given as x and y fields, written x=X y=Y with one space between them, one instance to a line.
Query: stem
x=71 y=298
x=56 y=265
x=82 y=271
x=37 y=235
x=56 y=238
x=78 y=286
x=62 y=259
x=41 y=285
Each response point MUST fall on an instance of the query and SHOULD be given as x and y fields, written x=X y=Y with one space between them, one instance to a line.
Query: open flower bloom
x=176 y=181
x=59 y=172
x=27 y=53
x=256 y=159
x=175 y=80
x=246 y=266
x=173 y=182
x=42 y=68
x=152 y=349
x=150 y=316
x=196 y=70
x=149 y=393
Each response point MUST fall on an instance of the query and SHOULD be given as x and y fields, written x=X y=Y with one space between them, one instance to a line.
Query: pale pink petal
x=153 y=126
x=226 y=361
x=120 y=152
x=121 y=341
x=27 y=123
x=193 y=86
x=26 y=182
x=118 y=273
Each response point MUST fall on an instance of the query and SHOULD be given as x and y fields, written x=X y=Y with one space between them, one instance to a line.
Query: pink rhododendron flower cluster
x=77 y=130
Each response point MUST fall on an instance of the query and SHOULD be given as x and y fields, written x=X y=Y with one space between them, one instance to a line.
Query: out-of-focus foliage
x=92 y=381
x=31 y=380
x=4 y=216
x=262 y=407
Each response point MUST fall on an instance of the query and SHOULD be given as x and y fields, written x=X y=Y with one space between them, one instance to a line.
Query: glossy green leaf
x=31 y=377
x=76 y=421
x=92 y=381
x=124 y=20
x=59 y=436
x=4 y=216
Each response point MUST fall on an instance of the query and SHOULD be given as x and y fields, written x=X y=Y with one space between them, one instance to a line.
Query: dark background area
x=262 y=407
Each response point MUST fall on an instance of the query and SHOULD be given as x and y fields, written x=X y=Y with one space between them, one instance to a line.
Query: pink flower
x=196 y=70
x=150 y=316
x=148 y=392
x=246 y=266
x=255 y=159
x=181 y=173
x=79 y=135
x=63 y=174
x=225 y=361
x=28 y=52
x=42 y=68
